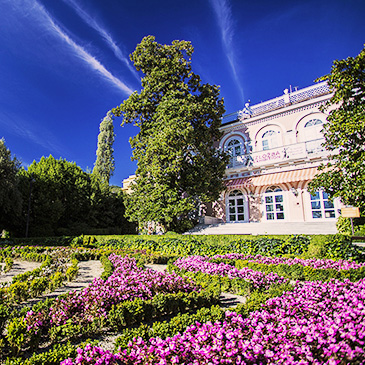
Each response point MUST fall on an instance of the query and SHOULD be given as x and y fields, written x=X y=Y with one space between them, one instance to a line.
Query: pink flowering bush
x=94 y=355
x=201 y=264
x=314 y=263
x=127 y=283
x=317 y=323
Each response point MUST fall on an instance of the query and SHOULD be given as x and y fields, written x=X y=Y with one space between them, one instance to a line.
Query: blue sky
x=65 y=63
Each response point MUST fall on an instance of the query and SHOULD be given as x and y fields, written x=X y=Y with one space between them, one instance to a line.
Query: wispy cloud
x=91 y=22
x=223 y=13
x=80 y=51
x=16 y=125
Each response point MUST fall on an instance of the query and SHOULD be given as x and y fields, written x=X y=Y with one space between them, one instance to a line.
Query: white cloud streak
x=19 y=127
x=91 y=22
x=82 y=53
x=224 y=18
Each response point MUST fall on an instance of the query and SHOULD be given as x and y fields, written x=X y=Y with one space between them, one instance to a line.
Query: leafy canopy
x=344 y=175
x=65 y=200
x=179 y=118
x=10 y=198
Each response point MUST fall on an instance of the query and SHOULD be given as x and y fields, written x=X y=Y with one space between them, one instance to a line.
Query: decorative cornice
x=248 y=123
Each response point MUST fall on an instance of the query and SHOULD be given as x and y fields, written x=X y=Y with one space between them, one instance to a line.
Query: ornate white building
x=275 y=149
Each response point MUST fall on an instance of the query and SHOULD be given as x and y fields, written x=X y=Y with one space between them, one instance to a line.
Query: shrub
x=343 y=225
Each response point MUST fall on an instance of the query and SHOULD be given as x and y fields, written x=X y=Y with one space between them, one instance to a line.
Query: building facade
x=275 y=148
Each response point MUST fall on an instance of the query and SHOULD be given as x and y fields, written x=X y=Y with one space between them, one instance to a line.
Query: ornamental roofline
x=285 y=100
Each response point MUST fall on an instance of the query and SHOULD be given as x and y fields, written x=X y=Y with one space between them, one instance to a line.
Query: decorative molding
x=247 y=123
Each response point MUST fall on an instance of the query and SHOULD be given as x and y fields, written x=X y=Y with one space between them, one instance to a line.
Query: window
x=270 y=140
x=313 y=122
x=237 y=149
x=236 y=207
x=274 y=203
x=322 y=207
x=234 y=147
x=313 y=136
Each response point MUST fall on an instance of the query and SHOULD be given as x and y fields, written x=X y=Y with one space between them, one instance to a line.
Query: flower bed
x=314 y=263
x=126 y=283
x=201 y=264
x=317 y=323
x=86 y=312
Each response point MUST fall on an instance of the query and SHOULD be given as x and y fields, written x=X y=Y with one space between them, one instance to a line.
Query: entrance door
x=236 y=207
x=274 y=204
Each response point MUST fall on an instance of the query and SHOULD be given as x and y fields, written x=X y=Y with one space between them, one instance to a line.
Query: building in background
x=275 y=148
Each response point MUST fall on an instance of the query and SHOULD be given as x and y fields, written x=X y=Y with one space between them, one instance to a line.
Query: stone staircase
x=266 y=228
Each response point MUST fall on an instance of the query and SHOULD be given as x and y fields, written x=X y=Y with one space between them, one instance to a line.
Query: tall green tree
x=104 y=164
x=10 y=197
x=179 y=118
x=344 y=174
x=65 y=200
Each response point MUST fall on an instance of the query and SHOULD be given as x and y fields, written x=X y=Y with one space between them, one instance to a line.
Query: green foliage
x=344 y=133
x=334 y=247
x=52 y=357
x=104 y=164
x=134 y=312
x=65 y=200
x=179 y=120
x=10 y=198
x=8 y=264
x=72 y=271
x=164 y=329
x=108 y=267
x=257 y=299
x=343 y=225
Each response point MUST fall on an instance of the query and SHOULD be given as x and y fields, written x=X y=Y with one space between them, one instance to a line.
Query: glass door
x=274 y=204
x=236 y=207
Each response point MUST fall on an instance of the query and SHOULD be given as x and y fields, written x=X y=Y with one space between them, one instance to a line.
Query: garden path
x=88 y=271
x=18 y=267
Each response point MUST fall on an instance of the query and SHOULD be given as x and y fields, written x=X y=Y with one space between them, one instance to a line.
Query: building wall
x=276 y=145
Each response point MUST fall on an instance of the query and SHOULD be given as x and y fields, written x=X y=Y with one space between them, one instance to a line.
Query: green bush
x=343 y=225
x=335 y=247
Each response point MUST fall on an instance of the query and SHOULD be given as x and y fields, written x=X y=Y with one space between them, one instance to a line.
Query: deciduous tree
x=344 y=174
x=10 y=198
x=179 y=119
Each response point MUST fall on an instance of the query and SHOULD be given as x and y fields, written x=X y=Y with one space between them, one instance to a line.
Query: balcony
x=297 y=151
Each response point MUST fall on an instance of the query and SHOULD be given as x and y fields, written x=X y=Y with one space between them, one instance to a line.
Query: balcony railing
x=292 y=152
x=280 y=102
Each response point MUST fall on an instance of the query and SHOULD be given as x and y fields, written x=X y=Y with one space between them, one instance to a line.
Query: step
x=266 y=228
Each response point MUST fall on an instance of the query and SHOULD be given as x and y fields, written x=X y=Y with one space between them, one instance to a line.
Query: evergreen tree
x=104 y=164
x=179 y=120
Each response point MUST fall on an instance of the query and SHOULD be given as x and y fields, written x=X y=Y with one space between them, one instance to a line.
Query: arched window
x=237 y=148
x=313 y=122
x=270 y=139
x=274 y=203
x=234 y=147
x=313 y=136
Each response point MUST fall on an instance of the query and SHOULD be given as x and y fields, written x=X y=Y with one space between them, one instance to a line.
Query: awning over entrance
x=276 y=178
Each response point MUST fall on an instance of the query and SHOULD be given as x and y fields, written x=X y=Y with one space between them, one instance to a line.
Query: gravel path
x=18 y=267
x=88 y=271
